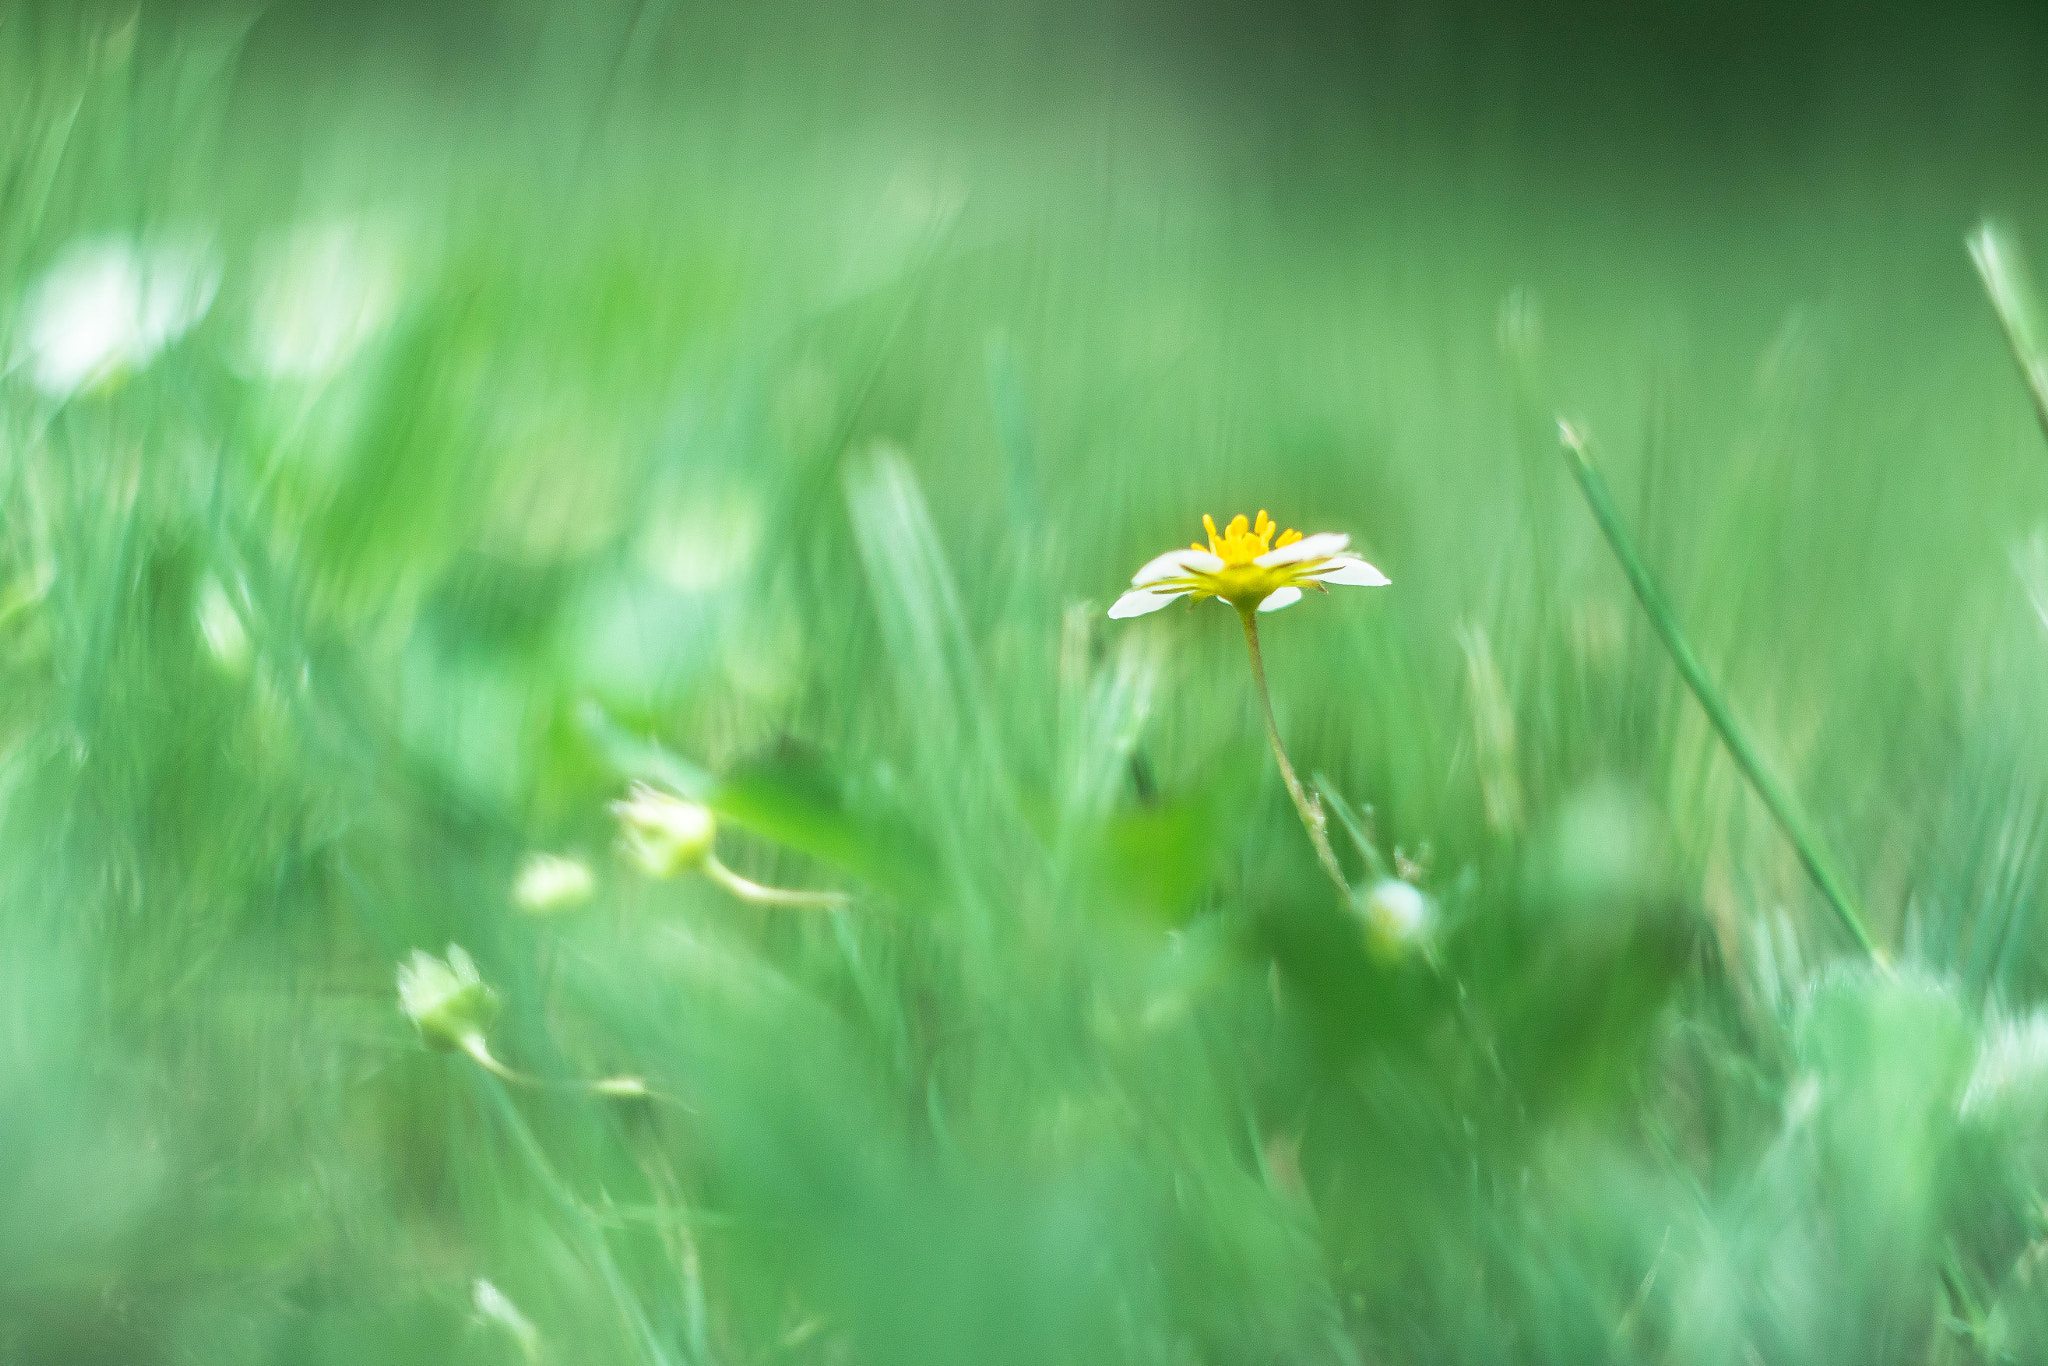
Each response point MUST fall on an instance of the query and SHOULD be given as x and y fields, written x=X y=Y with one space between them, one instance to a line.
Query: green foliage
x=573 y=405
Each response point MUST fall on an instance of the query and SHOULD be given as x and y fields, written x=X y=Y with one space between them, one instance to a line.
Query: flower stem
x=746 y=889
x=1777 y=798
x=478 y=1048
x=1310 y=809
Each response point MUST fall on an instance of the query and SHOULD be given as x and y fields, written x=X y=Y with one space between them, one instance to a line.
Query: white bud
x=1397 y=915
x=447 y=1000
x=495 y=1307
x=220 y=626
x=665 y=834
x=547 y=883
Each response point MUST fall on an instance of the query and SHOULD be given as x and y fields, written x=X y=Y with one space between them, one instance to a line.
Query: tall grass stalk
x=1776 y=796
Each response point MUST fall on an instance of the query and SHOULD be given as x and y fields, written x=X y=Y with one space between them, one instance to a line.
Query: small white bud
x=447 y=1000
x=1398 y=916
x=665 y=834
x=495 y=1308
x=220 y=626
x=547 y=883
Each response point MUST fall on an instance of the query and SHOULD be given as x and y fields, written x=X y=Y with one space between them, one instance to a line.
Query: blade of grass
x=1334 y=802
x=582 y=1225
x=2003 y=270
x=1819 y=866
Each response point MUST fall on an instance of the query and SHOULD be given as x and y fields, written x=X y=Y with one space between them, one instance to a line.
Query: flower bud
x=548 y=883
x=1397 y=915
x=665 y=834
x=220 y=626
x=447 y=1001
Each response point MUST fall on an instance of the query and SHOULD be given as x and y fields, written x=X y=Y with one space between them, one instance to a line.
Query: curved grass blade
x=2003 y=270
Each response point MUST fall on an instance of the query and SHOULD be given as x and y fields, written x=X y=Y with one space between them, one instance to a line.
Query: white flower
x=106 y=308
x=549 y=882
x=704 y=548
x=1247 y=568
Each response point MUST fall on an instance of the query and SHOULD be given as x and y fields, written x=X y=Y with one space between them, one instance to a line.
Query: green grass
x=778 y=433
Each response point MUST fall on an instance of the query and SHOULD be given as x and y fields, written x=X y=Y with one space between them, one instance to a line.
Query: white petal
x=1175 y=563
x=1279 y=598
x=1352 y=572
x=1139 y=601
x=80 y=319
x=1320 y=546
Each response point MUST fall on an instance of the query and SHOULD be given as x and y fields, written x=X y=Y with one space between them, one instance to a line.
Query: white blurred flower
x=323 y=289
x=703 y=548
x=1802 y=1101
x=548 y=882
x=107 y=307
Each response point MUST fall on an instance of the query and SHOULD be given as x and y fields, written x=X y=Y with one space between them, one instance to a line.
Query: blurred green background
x=417 y=423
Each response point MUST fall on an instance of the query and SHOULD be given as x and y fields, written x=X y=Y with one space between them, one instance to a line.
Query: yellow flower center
x=1243 y=582
x=1243 y=542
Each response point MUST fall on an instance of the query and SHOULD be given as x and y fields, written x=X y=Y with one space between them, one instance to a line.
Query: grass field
x=417 y=429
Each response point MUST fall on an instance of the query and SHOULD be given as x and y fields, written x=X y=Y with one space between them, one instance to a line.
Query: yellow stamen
x=1243 y=541
x=1241 y=580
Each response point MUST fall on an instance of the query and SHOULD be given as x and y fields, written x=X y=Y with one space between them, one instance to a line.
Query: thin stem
x=478 y=1048
x=1328 y=798
x=1310 y=810
x=1775 y=795
x=746 y=889
x=579 y=1218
